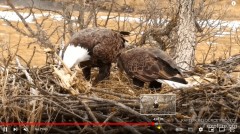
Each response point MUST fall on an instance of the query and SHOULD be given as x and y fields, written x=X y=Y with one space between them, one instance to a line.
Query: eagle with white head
x=151 y=65
x=94 y=47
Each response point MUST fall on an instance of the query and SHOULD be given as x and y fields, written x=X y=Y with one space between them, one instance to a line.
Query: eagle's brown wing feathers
x=149 y=65
x=103 y=44
x=155 y=69
x=164 y=57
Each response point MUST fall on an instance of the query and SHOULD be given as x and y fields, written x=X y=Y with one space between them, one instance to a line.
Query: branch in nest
x=64 y=65
x=112 y=93
x=29 y=78
x=66 y=80
x=91 y=115
x=124 y=107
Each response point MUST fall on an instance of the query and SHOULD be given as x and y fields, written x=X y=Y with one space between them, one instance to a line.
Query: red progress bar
x=77 y=124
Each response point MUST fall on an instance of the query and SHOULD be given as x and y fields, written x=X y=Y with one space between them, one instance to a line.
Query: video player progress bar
x=77 y=124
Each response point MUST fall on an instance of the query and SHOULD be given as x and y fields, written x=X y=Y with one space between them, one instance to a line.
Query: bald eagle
x=150 y=65
x=94 y=47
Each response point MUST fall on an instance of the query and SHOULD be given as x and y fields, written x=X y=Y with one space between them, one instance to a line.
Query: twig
x=124 y=107
x=30 y=60
x=24 y=71
x=108 y=118
x=21 y=17
x=112 y=93
x=64 y=65
x=116 y=119
x=89 y=111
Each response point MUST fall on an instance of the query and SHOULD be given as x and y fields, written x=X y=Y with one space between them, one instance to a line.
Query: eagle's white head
x=73 y=55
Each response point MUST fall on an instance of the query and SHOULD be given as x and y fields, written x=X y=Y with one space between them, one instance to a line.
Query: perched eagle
x=150 y=65
x=94 y=47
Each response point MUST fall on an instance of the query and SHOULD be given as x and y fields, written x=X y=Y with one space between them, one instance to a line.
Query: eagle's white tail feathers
x=173 y=84
x=73 y=55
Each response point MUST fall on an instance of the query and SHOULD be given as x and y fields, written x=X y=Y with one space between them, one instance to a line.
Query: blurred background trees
x=173 y=25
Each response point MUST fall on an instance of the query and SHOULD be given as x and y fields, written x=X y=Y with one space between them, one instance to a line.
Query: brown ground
x=222 y=49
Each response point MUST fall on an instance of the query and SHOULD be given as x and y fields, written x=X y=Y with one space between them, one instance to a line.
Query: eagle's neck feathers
x=74 y=54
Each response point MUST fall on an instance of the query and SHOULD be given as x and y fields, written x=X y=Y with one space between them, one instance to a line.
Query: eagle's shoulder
x=161 y=55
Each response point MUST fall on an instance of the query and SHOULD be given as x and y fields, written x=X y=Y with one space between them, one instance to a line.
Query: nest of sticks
x=47 y=94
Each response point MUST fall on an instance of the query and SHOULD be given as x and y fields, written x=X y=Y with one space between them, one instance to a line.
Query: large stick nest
x=46 y=98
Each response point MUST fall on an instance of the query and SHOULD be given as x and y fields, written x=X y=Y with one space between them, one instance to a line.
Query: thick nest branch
x=75 y=100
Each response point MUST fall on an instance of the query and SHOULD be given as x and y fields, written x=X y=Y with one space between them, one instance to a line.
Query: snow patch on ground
x=11 y=16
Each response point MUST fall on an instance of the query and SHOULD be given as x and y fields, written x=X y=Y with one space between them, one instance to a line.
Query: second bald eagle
x=150 y=65
x=94 y=47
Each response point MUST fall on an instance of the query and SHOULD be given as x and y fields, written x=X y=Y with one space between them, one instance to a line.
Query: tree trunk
x=185 y=47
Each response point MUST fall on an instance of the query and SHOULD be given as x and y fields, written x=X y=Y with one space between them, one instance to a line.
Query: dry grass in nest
x=45 y=99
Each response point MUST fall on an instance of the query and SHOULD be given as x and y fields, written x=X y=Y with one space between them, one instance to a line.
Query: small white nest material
x=74 y=83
